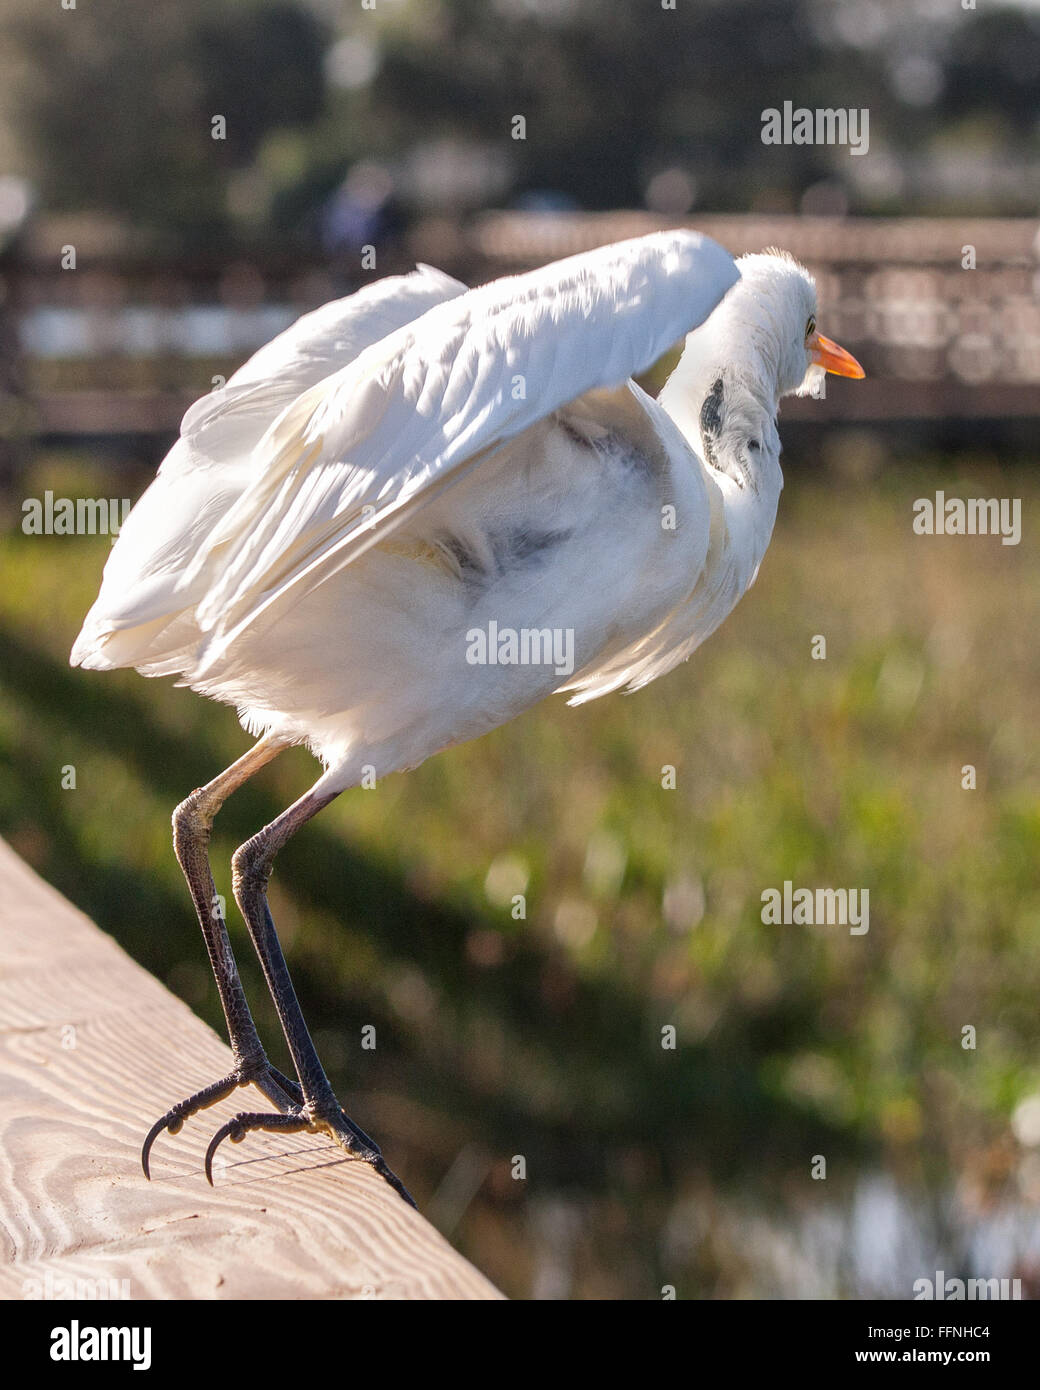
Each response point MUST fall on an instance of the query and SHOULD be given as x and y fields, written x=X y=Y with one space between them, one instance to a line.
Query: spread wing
x=317 y=344
x=352 y=456
x=211 y=464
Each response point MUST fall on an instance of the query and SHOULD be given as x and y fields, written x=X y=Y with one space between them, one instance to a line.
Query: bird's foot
x=277 y=1088
x=335 y=1123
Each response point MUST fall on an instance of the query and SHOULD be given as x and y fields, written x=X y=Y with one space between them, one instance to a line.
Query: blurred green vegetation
x=542 y=1037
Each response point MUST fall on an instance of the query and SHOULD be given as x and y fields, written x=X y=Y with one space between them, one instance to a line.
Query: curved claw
x=150 y=1138
x=174 y=1118
x=239 y=1126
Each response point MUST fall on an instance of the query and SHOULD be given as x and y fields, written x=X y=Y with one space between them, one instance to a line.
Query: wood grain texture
x=88 y=1044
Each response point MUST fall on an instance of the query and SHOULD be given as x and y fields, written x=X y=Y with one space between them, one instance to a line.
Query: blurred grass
x=542 y=1037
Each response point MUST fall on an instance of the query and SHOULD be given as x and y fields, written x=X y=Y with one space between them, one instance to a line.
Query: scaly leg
x=192 y=823
x=320 y=1111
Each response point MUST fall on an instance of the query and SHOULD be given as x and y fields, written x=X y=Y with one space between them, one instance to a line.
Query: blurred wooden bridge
x=117 y=348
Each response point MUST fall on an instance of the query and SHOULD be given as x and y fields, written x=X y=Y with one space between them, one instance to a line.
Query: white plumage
x=416 y=461
x=414 y=467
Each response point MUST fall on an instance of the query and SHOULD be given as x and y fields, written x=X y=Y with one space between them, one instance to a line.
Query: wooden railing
x=91 y=1044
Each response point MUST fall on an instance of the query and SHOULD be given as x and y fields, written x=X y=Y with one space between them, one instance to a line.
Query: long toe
x=347 y=1134
x=278 y=1089
x=336 y=1125
x=237 y=1128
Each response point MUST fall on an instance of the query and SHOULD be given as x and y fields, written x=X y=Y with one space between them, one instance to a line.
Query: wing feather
x=355 y=454
x=210 y=465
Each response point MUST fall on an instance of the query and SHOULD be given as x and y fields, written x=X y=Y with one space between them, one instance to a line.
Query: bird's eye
x=810 y=327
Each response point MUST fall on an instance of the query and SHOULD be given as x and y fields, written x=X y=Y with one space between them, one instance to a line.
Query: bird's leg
x=320 y=1111
x=192 y=823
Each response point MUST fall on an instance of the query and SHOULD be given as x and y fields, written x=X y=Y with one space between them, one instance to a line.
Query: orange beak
x=834 y=358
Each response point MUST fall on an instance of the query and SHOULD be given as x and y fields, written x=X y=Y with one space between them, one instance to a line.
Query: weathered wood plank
x=86 y=1038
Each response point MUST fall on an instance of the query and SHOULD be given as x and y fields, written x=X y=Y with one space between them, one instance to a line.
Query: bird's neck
x=728 y=417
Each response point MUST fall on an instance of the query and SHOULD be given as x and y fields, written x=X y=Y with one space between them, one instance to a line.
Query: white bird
x=420 y=510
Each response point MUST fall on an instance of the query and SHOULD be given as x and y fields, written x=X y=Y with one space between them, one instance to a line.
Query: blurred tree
x=631 y=103
x=610 y=100
x=994 y=69
x=624 y=103
x=115 y=103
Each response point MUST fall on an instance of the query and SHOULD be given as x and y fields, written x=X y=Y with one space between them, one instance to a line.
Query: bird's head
x=760 y=343
x=771 y=310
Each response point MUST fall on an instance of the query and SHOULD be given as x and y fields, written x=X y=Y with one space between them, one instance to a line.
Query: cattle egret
x=421 y=509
